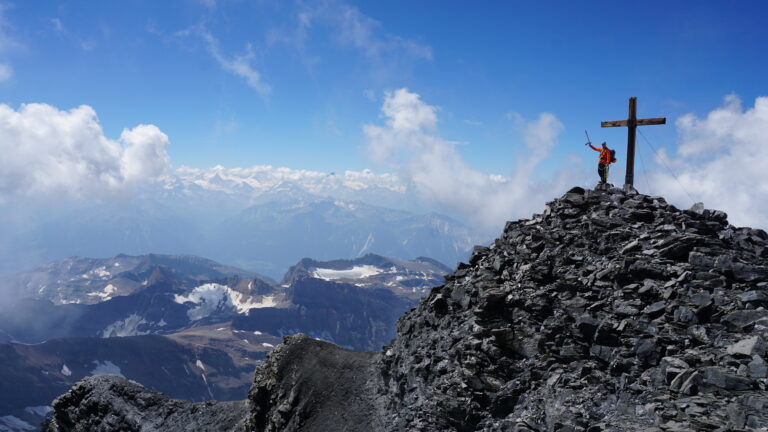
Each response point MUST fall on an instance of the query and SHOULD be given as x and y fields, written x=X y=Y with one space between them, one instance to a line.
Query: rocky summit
x=610 y=311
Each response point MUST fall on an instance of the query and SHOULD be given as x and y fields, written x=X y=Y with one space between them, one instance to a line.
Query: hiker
x=607 y=157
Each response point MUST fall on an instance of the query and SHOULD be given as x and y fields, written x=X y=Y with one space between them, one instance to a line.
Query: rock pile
x=610 y=311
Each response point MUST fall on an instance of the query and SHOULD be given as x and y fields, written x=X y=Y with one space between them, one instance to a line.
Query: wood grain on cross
x=632 y=123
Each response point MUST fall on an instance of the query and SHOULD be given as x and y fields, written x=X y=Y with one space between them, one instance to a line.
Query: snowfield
x=125 y=327
x=357 y=272
x=212 y=297
x=106 y=367
x=106 y=294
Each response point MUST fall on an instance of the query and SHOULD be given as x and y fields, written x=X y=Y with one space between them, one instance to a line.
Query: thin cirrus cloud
x=63 y=31
x=345 y=24
x=409 y=143
x=6 y=72
x=348 y=27
x=7 y=43
x=240 y=65
x=64 y=154
x=720 y=161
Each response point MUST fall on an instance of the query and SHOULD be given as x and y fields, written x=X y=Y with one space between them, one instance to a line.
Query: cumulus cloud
x=240 y=65
x=47 y=152
x=433 y=167
x=721 y=161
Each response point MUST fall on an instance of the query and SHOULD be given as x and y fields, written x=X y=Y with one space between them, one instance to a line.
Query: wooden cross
x=632 y=123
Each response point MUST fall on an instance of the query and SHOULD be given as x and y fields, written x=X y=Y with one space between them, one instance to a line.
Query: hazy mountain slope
x=265 y=228
x=92 y=280
x=329 y=229
x=169 y=301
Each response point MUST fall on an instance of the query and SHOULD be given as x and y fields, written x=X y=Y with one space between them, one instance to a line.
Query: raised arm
x=594 y=148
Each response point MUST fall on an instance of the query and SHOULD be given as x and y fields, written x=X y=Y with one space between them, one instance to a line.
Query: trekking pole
x=589 y=141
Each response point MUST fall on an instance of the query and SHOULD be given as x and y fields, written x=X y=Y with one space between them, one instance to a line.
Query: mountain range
x=183 y=325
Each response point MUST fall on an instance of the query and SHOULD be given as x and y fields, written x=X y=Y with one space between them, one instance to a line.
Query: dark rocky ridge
x=609 y=311
x=111 y=403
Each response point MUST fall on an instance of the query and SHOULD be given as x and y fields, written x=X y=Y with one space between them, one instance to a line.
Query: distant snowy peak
x=263 y=178
x=410 y=278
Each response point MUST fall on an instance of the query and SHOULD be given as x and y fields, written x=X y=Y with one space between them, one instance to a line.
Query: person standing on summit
x=607 y=157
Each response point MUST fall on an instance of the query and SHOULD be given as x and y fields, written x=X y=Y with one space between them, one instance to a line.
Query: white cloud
x=57 y=153
x=721 y=161
x=239 y=65
x=6 y=72
x=144 y=154
x=436 y=171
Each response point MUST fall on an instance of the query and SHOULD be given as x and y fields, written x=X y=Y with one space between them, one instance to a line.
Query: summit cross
x=632 y=123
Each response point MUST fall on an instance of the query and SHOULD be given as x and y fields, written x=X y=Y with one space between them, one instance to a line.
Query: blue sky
x=293 y=83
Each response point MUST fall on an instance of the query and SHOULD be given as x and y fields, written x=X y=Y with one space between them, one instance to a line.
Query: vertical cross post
x=632 y=122
x=629 y=179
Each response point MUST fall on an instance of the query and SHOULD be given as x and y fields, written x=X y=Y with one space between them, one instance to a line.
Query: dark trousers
x=602 y=171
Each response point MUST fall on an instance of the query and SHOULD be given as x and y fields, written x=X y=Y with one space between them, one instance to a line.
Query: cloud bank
x=721 y=161
x=433 y=168
x=47 y=152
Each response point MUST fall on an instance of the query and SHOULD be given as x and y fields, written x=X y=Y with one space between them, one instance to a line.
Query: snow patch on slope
x=356 y=272
x=106 y=367
x=212 y=297
x=106 y=294
x=125 y=327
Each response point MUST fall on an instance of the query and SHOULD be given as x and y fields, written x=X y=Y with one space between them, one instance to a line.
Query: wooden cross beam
x=632 y=123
